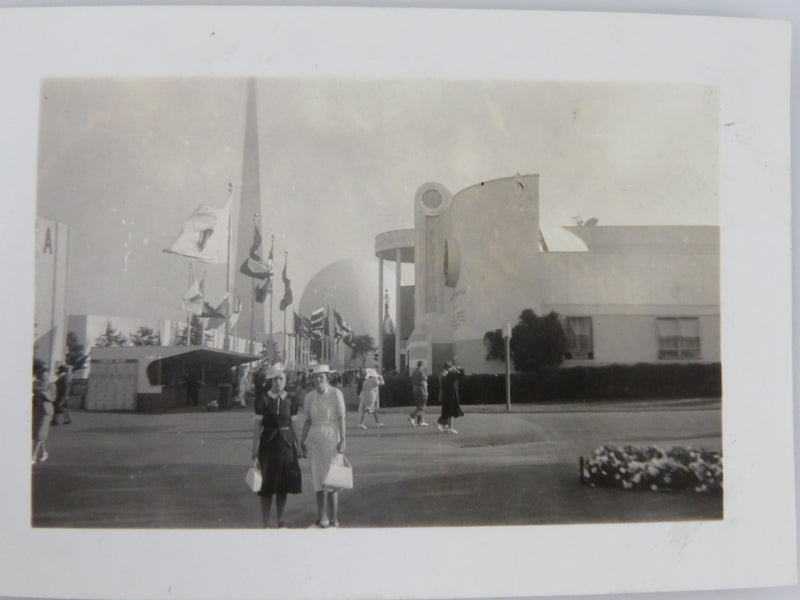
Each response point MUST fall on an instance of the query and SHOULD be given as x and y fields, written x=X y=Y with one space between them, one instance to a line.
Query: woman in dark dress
x=448 y=396
x=275 y=443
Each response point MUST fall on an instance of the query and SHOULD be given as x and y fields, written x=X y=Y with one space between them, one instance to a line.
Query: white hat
x=370 y=373
x=321 y=369
x=274 y=370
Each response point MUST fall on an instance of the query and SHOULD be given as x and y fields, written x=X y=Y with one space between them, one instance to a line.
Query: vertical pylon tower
x=252 y=316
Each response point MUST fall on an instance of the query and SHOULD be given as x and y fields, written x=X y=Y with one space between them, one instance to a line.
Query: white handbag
x=253 y=478
x=340 y=474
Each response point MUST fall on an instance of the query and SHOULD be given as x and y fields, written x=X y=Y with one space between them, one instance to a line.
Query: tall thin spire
x=249 y=205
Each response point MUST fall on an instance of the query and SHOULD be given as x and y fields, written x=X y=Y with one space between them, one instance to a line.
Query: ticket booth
x=159 y=378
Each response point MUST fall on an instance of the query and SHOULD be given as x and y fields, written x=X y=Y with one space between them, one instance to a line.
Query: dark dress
x=448 y=395
x=277 y=450
x=42 y=411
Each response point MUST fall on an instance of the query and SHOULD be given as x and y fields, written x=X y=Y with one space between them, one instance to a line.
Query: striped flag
x=319 y=320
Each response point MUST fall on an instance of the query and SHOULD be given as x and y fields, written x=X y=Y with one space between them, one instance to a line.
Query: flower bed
x=635 y=467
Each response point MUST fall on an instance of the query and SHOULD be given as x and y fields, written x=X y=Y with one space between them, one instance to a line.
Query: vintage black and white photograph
x=326 y=303
x=506 y=293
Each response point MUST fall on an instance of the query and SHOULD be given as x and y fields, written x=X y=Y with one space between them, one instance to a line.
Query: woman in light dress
x=368 y=399
x=324 y=430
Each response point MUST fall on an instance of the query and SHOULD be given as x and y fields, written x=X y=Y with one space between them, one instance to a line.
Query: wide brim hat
x=370 y=373
x=275 y=370
x=321 y=369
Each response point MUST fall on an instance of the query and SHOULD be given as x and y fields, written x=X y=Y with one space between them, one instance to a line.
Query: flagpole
x=189 y=313
x=285 y=335
x=271 y=291
x=253 y=305
x=226 y=344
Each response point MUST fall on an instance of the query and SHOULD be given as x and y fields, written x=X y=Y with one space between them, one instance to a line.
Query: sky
x=123 y=162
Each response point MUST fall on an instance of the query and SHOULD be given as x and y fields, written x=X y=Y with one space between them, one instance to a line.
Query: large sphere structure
x=351 y=287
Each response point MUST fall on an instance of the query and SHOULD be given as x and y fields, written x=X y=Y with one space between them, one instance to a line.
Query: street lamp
x=507 y=340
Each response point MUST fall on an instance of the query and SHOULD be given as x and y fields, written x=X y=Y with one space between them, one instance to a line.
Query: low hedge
x=572 y=383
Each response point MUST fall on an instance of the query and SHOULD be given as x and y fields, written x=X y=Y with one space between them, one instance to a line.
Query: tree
x=270 y=353
x=76 y=357
x=145 y=336
x=495 y=345
x=197 y=330
x=361 y=346
x=111 y=337
x=537 y=341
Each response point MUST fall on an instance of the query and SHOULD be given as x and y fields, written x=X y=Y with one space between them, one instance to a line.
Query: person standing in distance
x=43 y=411
x=448 y=396
x=62 y=393
x=419 y=387
x=369 y=399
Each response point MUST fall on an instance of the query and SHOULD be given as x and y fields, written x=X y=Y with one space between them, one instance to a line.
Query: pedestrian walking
x=43 y=410
x=419 y=388
x=369 y=399
x=62 y=394
x=324 y=430
x=275 y=444
x=448 y=397
x=360 y=381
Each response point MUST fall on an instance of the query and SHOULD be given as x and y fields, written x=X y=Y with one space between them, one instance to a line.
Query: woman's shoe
x=43 y=457
x=362 y=426
x=335 y=523
x=380 y=425
x=281 y=525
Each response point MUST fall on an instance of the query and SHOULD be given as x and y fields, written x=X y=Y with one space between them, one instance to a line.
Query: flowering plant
x=648 y=467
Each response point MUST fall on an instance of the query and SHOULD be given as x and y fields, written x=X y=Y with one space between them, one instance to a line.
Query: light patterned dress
x=324 y=410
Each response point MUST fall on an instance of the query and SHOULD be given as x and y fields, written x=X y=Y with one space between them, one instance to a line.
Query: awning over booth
x=205 y=363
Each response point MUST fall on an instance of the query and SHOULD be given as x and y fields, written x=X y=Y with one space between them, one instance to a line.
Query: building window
x=579 y=337
x=678 y=337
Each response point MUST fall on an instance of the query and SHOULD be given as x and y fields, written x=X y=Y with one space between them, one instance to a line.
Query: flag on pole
x=287 y=288
x=341 y=329
x=302 y=326
x=211 y=312
x=234 y=318
x=255 y=266
x=192 y=300
x=204 y=235
x=262 y=291
x=319 y=324
x=222 y=309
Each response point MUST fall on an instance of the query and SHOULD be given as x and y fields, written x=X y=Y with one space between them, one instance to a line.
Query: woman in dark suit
x=275 y=443
x=448 y=397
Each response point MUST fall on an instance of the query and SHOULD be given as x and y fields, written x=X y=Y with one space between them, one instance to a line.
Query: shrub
x=572 y=383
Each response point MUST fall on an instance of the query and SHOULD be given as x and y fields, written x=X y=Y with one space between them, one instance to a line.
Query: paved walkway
x=186 y=469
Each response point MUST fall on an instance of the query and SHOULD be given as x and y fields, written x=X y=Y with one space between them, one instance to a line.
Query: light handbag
x=253 y=478
x=340 y=474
